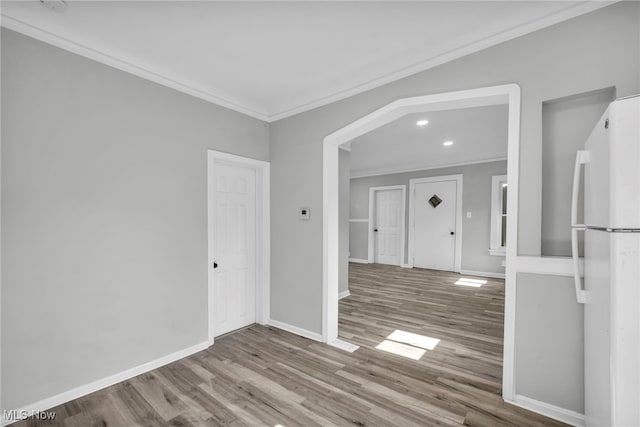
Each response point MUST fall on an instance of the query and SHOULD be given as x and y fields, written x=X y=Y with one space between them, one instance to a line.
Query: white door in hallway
x=434 y=224
x=387 y=227
x=234 y=219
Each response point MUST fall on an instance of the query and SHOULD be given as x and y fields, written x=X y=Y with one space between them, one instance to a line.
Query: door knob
x=452 y=233
x=215 y=264
x=375 y=229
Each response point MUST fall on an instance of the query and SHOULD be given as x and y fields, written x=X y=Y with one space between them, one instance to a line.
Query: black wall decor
x=435 y=201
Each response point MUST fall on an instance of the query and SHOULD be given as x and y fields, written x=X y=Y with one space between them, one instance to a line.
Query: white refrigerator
x=610 y=290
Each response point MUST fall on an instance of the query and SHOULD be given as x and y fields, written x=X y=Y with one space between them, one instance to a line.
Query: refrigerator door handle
x=582 y=157
x=581 y=294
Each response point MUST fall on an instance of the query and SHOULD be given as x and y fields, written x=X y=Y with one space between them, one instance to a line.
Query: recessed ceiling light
x=447 y=143
x=422 y=122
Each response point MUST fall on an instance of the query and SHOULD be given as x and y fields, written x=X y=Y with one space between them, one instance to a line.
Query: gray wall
x=476 y=198
x=593 y=51
x=550 y=341
x=104 y=217
x=344 y=175
x=566 y=125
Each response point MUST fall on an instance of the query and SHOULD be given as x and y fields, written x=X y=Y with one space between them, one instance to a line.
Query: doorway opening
x=508 y=95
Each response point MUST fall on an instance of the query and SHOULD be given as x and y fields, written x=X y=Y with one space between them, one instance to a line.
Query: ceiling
x=478 y=134
x=275 y=59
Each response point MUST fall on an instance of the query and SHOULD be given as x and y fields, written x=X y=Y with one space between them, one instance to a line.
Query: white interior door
x=234 y=274
x=434 y=215
x=387 y=228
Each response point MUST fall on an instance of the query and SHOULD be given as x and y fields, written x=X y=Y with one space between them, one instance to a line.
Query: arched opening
x=496 y=95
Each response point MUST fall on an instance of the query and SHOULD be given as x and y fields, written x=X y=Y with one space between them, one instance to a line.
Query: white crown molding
x=418 y=167
x=191 y=89
x=512 y=33
x=129 y=67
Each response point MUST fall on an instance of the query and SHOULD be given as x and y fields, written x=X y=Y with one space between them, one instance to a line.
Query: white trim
x=482 y=274
x=344 y=294
x=263 y=242
x=535 y=25
x=498 y=252
x=504 y=94
x=295 y=330
x=405 y=265
x=457 y=262
x=551 y=266
x=418 y=167
x=94 y=386
x=191 y=89
x=495 y=239
x=1 y=405
x=565 y=415
x=371 y=221
x=155 y=76
x=343 y=345
x=359 y=261
x=359 y=220
x=513 y=182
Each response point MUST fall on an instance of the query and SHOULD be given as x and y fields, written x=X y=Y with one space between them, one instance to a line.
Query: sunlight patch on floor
x=400 y=349
x=415 y=340
x=475 y=283
x=407 y=344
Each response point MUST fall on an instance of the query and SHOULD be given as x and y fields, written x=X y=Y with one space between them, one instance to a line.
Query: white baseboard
x=482 y=274
x=403 y=265
x=343 y=345
x=344 y=294
x=548 y=410
x=78 y=392
x=359 y=261
x=295 y=330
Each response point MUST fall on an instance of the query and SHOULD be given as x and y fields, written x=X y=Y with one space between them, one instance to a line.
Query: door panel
x=388 y=222
x=234 y=279
x=434 y=226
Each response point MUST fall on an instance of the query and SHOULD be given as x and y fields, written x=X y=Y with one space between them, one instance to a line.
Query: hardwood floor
x=265 y=376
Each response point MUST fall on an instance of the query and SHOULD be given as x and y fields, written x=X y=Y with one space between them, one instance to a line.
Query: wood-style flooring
x=261 y=376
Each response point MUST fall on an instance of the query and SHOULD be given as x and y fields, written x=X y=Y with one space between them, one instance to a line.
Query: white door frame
x=372 y=220
x=457 y=262
x=508 y=94
x=263 y=245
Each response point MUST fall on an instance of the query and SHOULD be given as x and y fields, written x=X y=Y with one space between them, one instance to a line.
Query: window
x=498 y=242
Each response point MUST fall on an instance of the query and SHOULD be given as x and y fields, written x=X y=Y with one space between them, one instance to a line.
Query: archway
x=495 y=95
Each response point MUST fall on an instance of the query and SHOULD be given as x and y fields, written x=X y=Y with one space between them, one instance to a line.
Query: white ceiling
x=478 y=134
x=274 y=59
